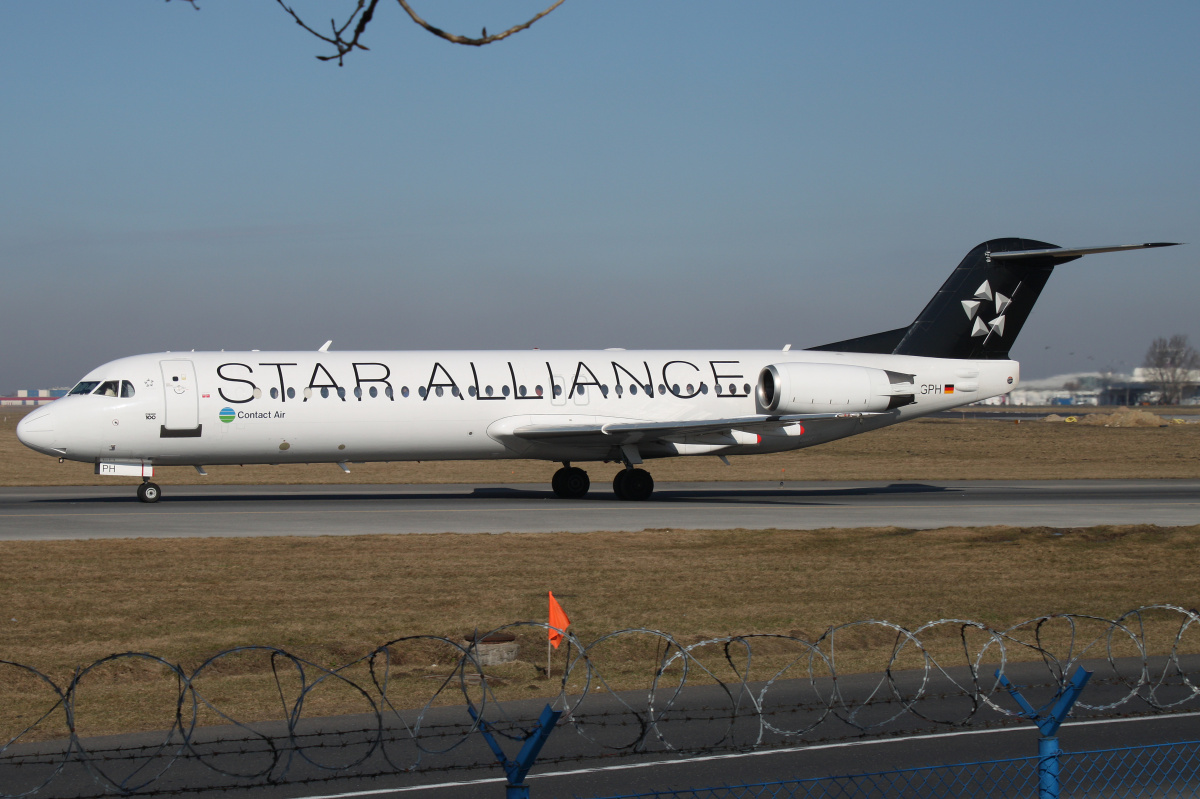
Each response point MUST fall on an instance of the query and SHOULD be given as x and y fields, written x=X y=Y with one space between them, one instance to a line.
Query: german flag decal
x=949 y=388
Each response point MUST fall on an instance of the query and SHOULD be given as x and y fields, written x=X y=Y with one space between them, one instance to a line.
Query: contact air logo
x=227 y=415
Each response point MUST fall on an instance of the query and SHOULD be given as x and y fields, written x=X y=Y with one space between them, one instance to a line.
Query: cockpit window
x=109 y=388
x=85 y=387
x=126 y=388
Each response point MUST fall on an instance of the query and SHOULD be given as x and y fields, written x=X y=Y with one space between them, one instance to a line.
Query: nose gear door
x=182 y=407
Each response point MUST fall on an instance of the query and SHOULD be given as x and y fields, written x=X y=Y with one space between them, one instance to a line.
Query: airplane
x=613 y=406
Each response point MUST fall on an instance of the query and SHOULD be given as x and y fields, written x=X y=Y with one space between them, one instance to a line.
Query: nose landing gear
x=147 y=491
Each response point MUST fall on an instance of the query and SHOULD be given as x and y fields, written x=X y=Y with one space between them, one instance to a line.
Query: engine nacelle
x=831 y=388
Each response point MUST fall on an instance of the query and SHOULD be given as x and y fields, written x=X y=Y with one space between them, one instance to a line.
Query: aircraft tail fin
x=982 y=306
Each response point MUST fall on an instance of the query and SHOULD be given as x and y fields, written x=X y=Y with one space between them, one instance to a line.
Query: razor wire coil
x=784 y=693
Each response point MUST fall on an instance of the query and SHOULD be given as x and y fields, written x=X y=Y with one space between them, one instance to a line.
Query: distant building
x=1093 y=388
x=32 y=396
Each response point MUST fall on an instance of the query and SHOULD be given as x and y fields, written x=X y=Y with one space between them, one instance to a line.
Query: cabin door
x=182 y=409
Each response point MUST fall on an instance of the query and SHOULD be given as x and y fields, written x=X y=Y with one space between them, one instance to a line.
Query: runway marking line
x=732 y=756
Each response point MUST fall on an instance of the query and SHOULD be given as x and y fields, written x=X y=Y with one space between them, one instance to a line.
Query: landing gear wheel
x=619 y=484
x=148 y=492
x=571 y=482
x=635 y=485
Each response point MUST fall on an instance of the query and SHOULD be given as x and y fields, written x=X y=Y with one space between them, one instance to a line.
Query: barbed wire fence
x=730 y=693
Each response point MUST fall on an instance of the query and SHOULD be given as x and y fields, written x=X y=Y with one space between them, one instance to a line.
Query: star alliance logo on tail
x=974 y=305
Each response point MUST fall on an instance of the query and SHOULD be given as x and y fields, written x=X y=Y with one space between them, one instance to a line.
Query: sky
x=623 y=174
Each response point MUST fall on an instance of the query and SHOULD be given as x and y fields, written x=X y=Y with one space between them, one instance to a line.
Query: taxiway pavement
x=202 y=511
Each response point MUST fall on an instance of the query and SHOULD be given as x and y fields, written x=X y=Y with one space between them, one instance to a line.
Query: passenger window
x=126 y=389
x=110 y=388
x=85 y=387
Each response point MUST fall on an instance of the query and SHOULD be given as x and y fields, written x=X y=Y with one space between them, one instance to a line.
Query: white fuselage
x=201 y=408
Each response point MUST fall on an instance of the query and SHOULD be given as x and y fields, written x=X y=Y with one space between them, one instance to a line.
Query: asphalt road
x=199 y=511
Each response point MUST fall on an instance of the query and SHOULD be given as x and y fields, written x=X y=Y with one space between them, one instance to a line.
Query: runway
x=204 y=511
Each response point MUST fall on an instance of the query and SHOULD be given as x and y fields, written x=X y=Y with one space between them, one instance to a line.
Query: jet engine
x=832 y=388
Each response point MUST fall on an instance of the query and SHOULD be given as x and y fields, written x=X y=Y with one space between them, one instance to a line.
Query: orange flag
x=558 y=618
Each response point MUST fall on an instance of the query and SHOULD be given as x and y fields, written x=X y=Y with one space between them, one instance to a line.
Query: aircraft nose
x=36 y=430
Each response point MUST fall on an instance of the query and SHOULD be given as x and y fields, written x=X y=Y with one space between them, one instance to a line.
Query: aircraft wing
x=620 y=433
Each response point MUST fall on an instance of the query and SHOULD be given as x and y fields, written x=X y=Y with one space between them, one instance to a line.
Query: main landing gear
x=571 y=482
x=633 y=484
x=147 y=491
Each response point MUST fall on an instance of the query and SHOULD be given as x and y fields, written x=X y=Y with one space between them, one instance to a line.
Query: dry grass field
x=926 y=449
x=331 y=600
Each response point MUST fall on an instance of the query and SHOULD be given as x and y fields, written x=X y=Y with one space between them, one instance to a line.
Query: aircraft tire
x=571 y=483
x=148 y=492
x=619 y=484
x=638 y=485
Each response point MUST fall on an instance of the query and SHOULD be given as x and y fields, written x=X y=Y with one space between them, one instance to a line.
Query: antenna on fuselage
x=325 y=346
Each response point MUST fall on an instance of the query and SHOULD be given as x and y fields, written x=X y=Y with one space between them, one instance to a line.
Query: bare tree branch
x=364 y=12
x=484 y=39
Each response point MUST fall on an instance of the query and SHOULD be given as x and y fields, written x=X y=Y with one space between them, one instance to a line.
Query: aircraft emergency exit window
x=126 y=389
x=110 y=388
x=557 y=390
x=579 y=390
x=85 y=387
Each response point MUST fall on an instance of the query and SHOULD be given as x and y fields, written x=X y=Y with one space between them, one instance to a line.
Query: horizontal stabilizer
x=1075 y=252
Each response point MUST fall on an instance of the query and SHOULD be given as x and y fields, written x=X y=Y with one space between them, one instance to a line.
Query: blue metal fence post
x=1048 y=751
x=515 y=770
